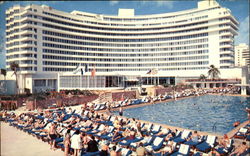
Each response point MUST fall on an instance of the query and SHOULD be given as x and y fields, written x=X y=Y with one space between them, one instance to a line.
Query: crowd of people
x=85 y=131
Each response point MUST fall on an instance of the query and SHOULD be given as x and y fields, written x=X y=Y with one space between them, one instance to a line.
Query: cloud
x=243 y=36
x=167 y=3
x=112 y=3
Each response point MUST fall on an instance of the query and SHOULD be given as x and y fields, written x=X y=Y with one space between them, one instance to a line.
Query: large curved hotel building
x=124 y=49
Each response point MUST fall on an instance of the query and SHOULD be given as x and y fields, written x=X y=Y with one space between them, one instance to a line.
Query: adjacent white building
x=49 y=44
x=242 y=55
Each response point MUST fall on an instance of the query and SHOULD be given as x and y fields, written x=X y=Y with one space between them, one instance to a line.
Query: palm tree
x=202 y=77
x=3 y=72
x=213 y=72
x=14 y=66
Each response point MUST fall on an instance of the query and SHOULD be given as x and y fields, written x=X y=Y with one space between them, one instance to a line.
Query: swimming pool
x=209 y=113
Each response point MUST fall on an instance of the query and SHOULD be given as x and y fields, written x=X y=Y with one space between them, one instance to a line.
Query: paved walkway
x=15 y=142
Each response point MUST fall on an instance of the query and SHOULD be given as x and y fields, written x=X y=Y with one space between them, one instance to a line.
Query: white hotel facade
x=49 y=44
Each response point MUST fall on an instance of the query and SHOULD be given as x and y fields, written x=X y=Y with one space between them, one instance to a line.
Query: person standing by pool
x=52 y=136
x=92 y=145
x=248 y=112
x=120 y=110
x=114 y=152
x=141 y=151
x=76 y=142
x=66 y=143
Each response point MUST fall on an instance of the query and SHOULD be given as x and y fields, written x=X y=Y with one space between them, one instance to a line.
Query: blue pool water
x=210 y=113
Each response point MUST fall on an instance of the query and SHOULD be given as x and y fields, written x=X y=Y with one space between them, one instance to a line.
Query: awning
x=132 y=80
x=242 y=85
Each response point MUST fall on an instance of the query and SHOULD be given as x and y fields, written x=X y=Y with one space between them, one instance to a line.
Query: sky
x=239 y=8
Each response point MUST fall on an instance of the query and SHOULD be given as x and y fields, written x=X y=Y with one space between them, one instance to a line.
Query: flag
x=93 y=72
x=149 y=72
x=86 y=68
x=78 y=68
x=154 y=71
x=82 y=72
x=122 y=98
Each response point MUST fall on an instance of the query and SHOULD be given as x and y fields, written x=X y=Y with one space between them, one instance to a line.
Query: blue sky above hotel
x=239 y=8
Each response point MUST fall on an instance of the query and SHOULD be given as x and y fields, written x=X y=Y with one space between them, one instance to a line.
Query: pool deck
x=229 y=94
x=236 y=129
x=15 y=142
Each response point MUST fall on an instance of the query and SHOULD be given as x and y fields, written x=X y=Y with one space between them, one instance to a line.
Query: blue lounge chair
x=241 y=134
x=157 y=143
x=125 y=152
x=156 y=129
x=207 y=145
x=183 y=151
x=97 y=153
x=225 y=150
x=128 y=142
x=194 y=143
x=148 y=141
x=185 y=134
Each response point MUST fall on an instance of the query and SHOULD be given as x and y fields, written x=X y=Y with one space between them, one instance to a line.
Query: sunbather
x=240 y=149
x=194 y=137
x=169 y=148
x=225 y=141
x=117 y=135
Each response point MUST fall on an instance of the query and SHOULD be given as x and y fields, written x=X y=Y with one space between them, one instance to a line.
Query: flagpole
x=80 y=81
x=88 y=77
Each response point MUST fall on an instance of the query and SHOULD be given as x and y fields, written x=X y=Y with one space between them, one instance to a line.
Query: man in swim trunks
x=52 y=136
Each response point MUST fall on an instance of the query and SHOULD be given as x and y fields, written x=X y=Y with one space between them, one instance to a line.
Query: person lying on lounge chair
x=240 y=149
x=170 y=135
x=164 y=131
x=194 y=137
x=116 y=135
x=225 y=141
x=169 y=148
x=104 y=131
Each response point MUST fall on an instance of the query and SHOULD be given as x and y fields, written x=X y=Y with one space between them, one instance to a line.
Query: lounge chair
x=207 y=145
x=241 y=134
x=157 y=143
x=125 y=152
x=183 y=151
x=164 y=132
x=94 y=131
x=185 y=134
x=156 y=129
x=192 y=143
x=148 y=141
x=128 y=142
x=97 y=153
x=147 y=128
x=225 y=151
